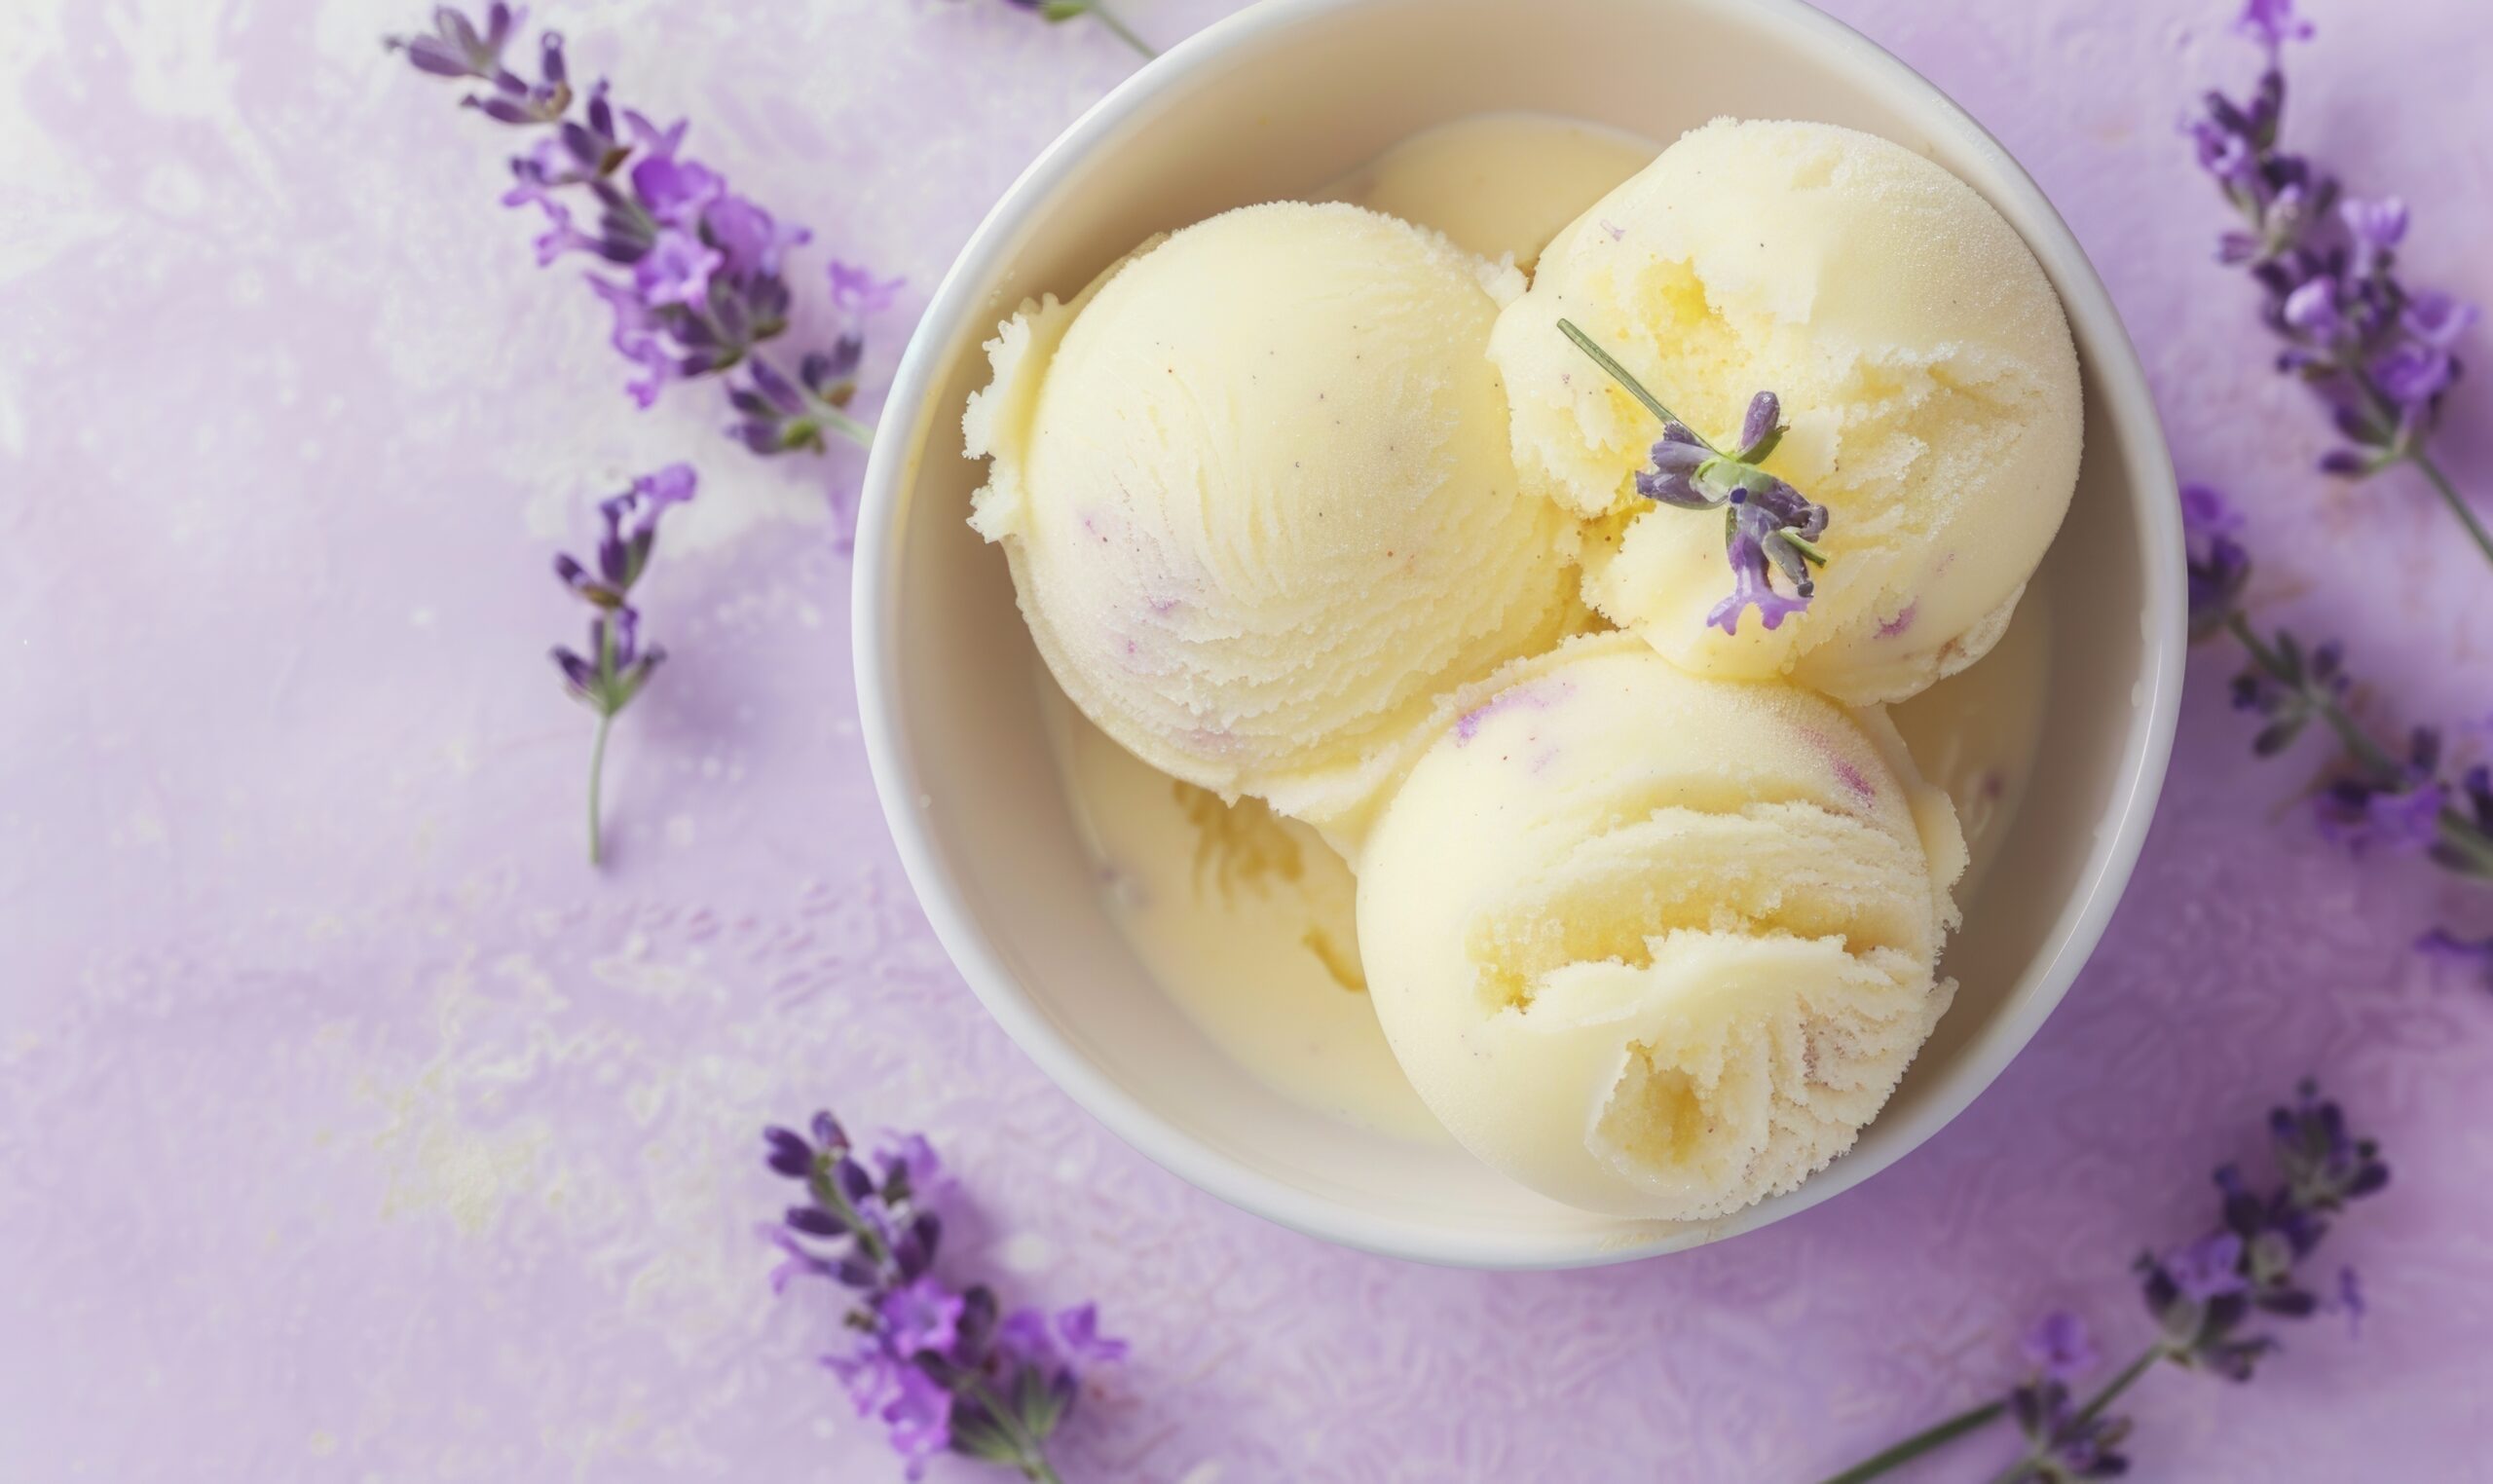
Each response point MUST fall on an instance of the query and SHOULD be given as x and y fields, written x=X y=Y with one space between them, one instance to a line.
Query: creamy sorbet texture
x=1924 y=366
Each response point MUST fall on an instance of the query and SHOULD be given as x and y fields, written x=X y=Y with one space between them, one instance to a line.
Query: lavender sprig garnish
x=2208 y=1299
x=2383 y=800
x=1098 y=10
x=2380 y=354
x=940 y=1369
x=701 y=287
x=1768 y=526
x=617 y=664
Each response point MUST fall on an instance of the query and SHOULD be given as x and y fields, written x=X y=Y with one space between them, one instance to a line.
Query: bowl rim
x=874 y=628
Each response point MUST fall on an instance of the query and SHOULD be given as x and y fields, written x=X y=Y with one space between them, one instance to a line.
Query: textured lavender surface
x=355 y=1131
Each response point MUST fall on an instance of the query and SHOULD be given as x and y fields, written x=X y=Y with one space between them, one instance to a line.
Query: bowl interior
x=1272 y=104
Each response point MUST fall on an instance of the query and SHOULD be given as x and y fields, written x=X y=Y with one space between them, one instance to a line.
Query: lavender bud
x=1675 y=489
x=1764 y=418
x=431 y=56
x=814 y=1222
x=501 y=110
x=789 y=1155
x=2313 y=309
x=577 y=674
x=828 y=1134
x=824 y=372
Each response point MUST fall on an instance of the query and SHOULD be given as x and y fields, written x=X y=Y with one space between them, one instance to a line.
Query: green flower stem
x=1635 y=389
x=605 y=709
x=1984 y=1416
x=827 y=1191
x=2128 y=1377
x=831 y=417
x=1125 y=33
x=2094 y=1408
x=1920 y=1443
x=2461 y=835
x=2450 y=496
x=596 y=776
x=1033 y=1459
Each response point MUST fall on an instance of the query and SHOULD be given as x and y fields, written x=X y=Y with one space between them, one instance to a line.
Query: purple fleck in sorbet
x=1530 y=697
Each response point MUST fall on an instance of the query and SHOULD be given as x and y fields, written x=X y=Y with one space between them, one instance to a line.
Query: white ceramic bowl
x=1271 y=103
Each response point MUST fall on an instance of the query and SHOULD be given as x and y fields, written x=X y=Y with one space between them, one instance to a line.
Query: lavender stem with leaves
x=1767 y=525
x=2380 y=354
x=2382 y=801
x=1074 y=10
x=700 y=287
x=2204 y=1297
x=617 y=664
x=942 y=1370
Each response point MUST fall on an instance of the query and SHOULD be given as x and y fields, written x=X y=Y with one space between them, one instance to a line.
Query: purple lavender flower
x=2436 y=318
x=2272 y=24
x=2204 y=1295
x=2324 y=1166
x=2396 y=812
x=514 y=101
x=2374 y=226
x=1768 y=526
x=2376 y=351
x=2413 y=375
x=2064 y=1443
x=939 y=1367
x=676 y=270
x=2219 y=568
x=1759 y=544
x=918 y=1420
x=2059 y=1347
x=2350 y=1302
x=456 y=48
x=798 y=1261
x=753 y=241
x=908 y=1163
x=1079 y=1328
x=920 y=1315
x=701 y=288
x=2470 y=956
x=855 y=291
x=676 y=192
x=2207 y=1269
x=616 y=666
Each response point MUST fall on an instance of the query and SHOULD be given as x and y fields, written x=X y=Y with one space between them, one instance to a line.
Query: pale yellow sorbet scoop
x=1656 y=944
x=1255 y=489
x=1925 y=367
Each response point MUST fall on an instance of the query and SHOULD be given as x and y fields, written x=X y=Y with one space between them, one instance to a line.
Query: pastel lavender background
x=353 y=1130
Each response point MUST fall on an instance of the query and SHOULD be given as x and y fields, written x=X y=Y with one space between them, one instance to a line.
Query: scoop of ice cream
x=1925 y=367
x=1656 y=944
x=1255 y=490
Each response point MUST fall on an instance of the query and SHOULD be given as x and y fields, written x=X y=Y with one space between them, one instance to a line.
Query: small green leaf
x=1036 y=1403
x=984 y=1440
